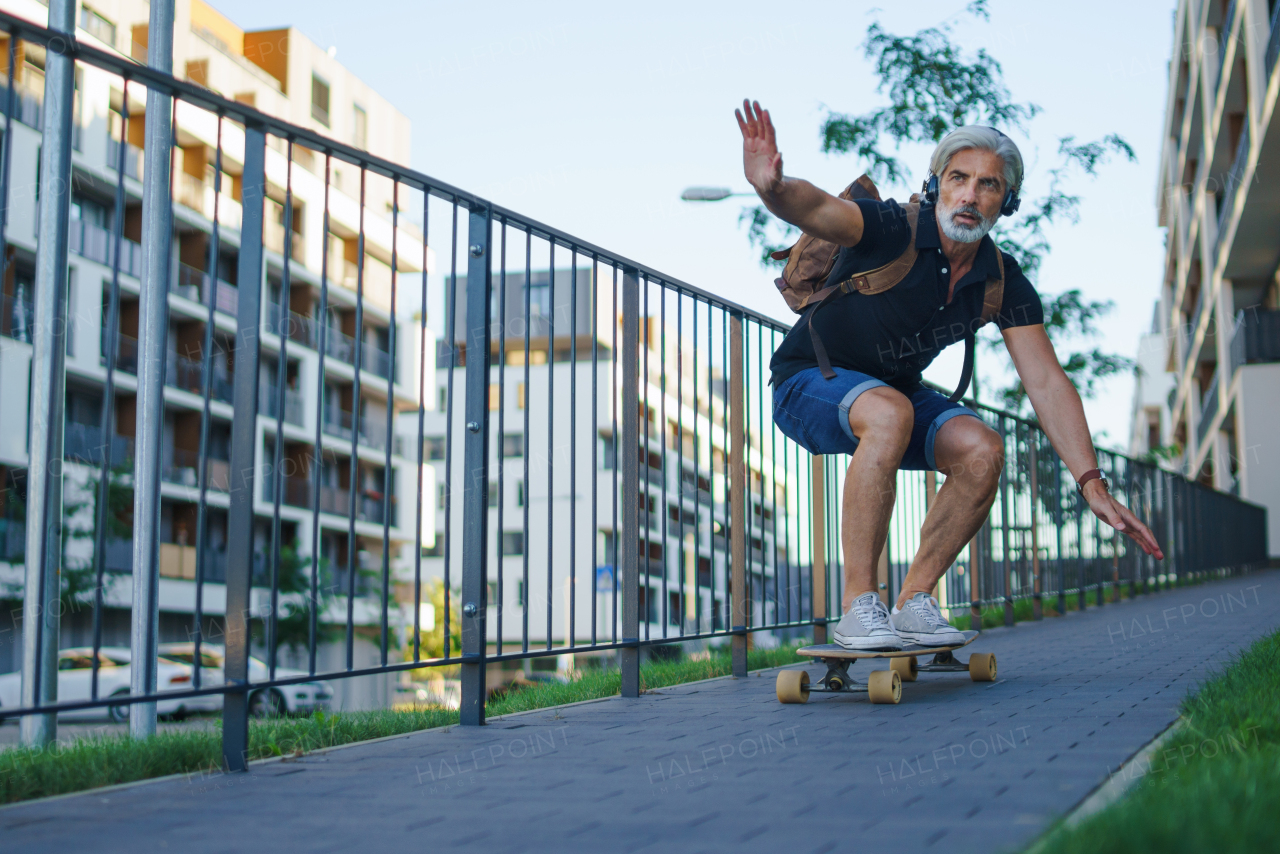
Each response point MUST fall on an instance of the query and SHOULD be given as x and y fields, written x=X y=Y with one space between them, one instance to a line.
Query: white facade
x=1217 y=315
x=211 y=51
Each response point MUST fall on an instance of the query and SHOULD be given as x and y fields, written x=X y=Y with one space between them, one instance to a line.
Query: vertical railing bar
x=573 y=444
x=551 y=431
x=682 y=563
x=614 y=390
x=773 y=473
x=392 y=328
x=666 y=474
x=726 y=475
x=697 y=474
x=595 y=446
x=646 y=498
x=322 y=345
x=629 y=656
x=451 y=322
x=109 y=388
x=282 y=375
x=353 y=468
x=528 y=399
x=206 y=388
x=740 y=592
x=422 y=426
x=502 y=409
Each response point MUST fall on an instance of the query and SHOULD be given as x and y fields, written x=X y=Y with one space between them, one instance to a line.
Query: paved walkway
x=721 y=765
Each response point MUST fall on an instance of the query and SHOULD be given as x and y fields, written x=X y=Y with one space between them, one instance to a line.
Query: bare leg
x=881 y=418
x=971 y=455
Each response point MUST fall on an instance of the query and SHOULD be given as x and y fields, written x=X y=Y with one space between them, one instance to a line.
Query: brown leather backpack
x=803 y=283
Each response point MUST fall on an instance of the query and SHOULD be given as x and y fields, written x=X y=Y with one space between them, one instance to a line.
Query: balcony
x=132 y=158
x=98 y=244
x=188 y=375
x=296 y=493
x=1256 y=339
x=28 y=105
x=337 y=422
x=17 y=314
x=85 y=443
x=1209 y=410
x=13 y=540
x=273 y=238
x=182 y=466
x=191 y=192
x=293 y=404
x=299 y=329
x=193 y=284
x=126 y=351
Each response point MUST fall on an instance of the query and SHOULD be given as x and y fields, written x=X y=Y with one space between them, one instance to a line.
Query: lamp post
x=709 y=194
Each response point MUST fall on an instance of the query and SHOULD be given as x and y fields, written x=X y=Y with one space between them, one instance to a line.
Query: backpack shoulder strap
x=993 y=296
x=881 y=279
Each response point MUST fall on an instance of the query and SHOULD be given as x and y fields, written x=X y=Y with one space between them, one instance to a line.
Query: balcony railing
x=188 y=374
x=27 y=104
x=16 y=317
x=126 y=351
x=1256 y=338
x=183 y=465
x=98 y=244
x=193 y=283
x=132 y=158
x=273 y=239
x=85 y=443
x=293 y=404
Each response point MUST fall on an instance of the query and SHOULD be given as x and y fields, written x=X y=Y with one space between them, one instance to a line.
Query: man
x=877 y=409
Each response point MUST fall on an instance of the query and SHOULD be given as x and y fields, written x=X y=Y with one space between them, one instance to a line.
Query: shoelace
x=928 y=610
x=873 y=614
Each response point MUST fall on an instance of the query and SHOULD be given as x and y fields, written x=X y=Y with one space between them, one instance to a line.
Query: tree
x=933 y=88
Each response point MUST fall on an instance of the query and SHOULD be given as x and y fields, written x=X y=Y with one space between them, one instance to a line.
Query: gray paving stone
x=721 y=766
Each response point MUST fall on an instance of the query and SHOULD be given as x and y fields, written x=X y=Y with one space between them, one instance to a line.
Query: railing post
x=40 y=612
x=627 y=453
x=975 y=582
x=475 y=455
x=153 y=317
x=1006 y=507
x=1037 y=604
x=737 y=500
x=818 y=564
x=235 y=708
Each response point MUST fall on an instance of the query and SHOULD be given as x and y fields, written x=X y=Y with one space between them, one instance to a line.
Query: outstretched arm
x=813 y=211
x=1061 y=413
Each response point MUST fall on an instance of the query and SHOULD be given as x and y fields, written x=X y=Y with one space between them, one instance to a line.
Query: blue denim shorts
x=815 y=413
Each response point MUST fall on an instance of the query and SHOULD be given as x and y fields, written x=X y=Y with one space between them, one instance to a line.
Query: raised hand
x=1115 y=514
x=761 y=160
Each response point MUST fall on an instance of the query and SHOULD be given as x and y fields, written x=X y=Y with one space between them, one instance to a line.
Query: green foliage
x=293 y=619
x=431 y=643
x=933 y=87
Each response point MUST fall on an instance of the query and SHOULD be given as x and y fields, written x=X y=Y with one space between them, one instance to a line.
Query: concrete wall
x=1257 y=417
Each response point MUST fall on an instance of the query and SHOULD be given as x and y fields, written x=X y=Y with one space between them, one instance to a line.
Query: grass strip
x=91 y=762
x=1214 y=786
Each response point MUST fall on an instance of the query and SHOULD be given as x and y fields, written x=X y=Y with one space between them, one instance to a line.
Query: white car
x=75 y=681
x=298 y=698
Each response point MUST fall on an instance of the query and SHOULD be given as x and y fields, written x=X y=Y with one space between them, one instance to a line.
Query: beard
x=961 y=232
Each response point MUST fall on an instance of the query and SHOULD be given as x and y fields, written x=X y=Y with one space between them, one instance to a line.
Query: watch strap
x=1092 y=474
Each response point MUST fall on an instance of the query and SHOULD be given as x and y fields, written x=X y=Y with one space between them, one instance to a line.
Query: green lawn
x=92 y=762
x=1215 y=786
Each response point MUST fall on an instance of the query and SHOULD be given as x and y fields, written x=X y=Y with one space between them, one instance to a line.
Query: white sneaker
x=866 y=627
x=922 y=622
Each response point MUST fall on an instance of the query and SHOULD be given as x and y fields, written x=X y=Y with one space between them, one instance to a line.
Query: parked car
x=75 y=681
x=298 y=698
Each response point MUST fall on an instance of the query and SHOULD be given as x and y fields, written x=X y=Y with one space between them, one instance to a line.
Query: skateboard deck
x=834 y=650
x=882 y=686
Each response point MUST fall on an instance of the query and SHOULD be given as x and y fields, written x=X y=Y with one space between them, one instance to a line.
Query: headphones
x=1008 y=207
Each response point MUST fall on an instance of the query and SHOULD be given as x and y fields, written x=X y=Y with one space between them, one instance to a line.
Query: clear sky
x=593 y=117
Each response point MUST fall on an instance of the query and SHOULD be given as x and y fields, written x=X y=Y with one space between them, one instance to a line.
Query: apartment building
x=284 y=74
x=557 y=409
x=1218 y=316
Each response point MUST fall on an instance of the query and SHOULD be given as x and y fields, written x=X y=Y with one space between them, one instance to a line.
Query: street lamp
x=709 y=194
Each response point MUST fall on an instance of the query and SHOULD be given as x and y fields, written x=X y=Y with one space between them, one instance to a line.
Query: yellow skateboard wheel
x=793 y=686
x=884 y=686
x=982 y=667
x=905 y=666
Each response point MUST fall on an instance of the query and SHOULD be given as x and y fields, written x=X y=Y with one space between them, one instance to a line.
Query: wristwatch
x=1092 y=474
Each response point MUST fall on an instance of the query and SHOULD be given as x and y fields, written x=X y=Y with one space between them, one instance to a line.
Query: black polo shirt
x=894 y=335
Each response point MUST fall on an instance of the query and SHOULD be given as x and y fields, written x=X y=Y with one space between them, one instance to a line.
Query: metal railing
x=654 y=501
x=1209 y=410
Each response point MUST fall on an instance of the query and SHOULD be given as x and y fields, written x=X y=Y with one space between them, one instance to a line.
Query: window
x=513 y=544
x=513 y=445
x=97 y=26
x=607 y=453
x=494 y=496
x=436 y=550
x=519 y=493
x=433 y=448
x=443 y=406
x=319 y=100
x=359 y=127
x=443 y=494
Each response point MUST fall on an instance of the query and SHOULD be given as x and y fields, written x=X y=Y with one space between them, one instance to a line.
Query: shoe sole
x=873 y=644
x=931 y=639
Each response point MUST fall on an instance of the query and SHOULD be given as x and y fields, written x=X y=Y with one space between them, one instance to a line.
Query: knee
x=978 y=454
x=883 y=416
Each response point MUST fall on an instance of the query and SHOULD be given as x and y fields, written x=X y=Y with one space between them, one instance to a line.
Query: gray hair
x=985 y=139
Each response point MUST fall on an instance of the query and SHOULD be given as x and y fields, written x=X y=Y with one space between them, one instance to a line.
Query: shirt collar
x=984 y=264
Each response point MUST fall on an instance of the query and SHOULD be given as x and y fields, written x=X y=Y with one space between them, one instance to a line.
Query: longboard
x=882 y=686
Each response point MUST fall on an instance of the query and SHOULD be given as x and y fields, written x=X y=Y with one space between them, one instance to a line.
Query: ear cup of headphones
x=1011 y=203
x=931 y=190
